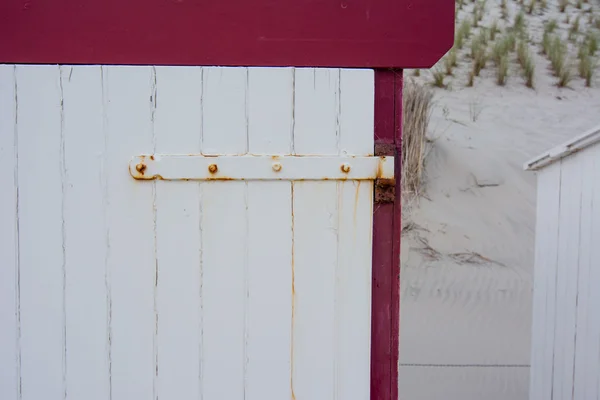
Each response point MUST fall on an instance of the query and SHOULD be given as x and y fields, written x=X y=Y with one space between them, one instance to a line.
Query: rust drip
x=293 y=302
x=356 y=196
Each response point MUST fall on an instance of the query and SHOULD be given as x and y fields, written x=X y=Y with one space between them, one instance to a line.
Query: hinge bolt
x=141 y=167
x=276 y=167
x=345 y=168
x=212 y=168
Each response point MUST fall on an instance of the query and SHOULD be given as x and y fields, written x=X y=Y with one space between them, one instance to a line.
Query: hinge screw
x=141 y=167
x=276 y=167
x=212 y=168
x=345 y=168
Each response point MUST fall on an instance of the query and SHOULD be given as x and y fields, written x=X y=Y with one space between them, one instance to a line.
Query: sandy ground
x=468 y=242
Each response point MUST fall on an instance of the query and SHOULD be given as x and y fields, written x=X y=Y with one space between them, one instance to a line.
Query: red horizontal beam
x=318 y=33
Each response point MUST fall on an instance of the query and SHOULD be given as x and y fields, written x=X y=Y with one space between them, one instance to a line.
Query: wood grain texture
x=84 y=210
x=567 y=272
x=269 y=307
x=224 y=244
x=177 y=125
x=41 y=229
x=124 y=289
x=544 y=300
x=566 y=330
x=9 y=240
x=131 y=260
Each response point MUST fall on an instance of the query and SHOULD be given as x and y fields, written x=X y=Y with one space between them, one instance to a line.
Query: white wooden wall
x=565 y=360
x=112 y=288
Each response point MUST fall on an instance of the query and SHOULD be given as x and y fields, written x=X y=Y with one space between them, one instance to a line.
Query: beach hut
x=565 y=342
x=200 y=198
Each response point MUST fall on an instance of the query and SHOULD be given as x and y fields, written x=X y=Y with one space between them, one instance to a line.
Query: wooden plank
x=128 y=101
x=315 y=227
x=270 y=110
x=354 y=247
x=316 y=100
x=386 y=33
x=386 y=244
x=357 y=91
x=9 y=273
x=566 y=294
x=543 y=314
x=41 y=252
x=316 y=230
x=269 y=236
x=582 y=389
x=592 y=367
x=177 y=129
x=224 y=245
x=85 y=234
x=224 y=123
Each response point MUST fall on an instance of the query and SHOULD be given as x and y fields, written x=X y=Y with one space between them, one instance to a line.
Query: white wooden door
x=123 y=289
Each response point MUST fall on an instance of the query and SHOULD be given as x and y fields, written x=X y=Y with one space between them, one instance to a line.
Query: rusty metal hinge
x=385 y=188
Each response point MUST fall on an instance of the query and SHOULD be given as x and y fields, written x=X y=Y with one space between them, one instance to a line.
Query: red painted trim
x=318 y=33
x=385 y=320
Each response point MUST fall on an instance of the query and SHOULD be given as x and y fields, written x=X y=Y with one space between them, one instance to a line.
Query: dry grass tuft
x=418 y=102
x=438 y=76
x=574 y=29
x=531 y=6
x=586 y=69
x=502 y=71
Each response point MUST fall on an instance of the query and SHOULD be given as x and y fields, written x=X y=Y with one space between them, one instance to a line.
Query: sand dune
x=467 y=249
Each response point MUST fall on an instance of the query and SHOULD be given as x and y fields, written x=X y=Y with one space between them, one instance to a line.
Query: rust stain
x=293 y=302
x=385 y=190
x=212 y=168
x=141 y=167
x=152 y=157
x=356 y=196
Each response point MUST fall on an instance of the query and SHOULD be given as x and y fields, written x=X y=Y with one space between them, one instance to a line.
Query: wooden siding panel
x=9 y=241
x=178 y=312
x=41 y=229
x=269 y=263
x=131 y=249
x=544 y=301
x=86 y=295
x=224 y=238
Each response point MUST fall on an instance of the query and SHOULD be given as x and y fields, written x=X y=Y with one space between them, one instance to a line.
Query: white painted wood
x=85 y=226
x=224 y=245
x=583 y=344
x=269 y=235
x=544 y=301
x=357 y=96
x=354 y=247
x=592 y=368
x=316 y=229
x=568 y=258
x=566 y=326
x=572 y=146
x=270 y=110
x=213 y=290
x=128 y=103
x=177 y=128
x=41 y=253
x=224 y=113
x=9 y=306
x=251 y=167
x=317 y=104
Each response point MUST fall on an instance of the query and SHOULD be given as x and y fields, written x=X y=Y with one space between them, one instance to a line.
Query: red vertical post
x=385 y=320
